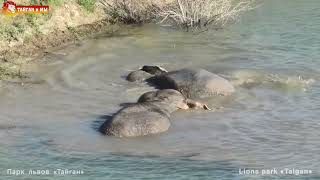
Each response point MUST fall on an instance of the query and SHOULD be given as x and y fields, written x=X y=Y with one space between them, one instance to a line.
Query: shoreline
x=14 y=57
x=40 y=45
x=25 y=38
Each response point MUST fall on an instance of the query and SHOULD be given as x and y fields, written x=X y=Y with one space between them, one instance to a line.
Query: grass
x=22 y=26
x=34 y=22
x=18 y=27
x=7 y=71
x=56 y=3
x=11 y=30
x=89 y=5
x=23 y=30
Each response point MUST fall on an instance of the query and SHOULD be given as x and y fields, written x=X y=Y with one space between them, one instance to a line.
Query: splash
x=250 y=79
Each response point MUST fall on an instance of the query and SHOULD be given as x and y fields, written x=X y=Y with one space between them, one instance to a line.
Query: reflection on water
x=271 y=56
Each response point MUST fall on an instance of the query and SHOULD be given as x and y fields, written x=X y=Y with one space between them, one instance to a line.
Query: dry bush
x=129 y=11
x=187 y=14
x=201 y=13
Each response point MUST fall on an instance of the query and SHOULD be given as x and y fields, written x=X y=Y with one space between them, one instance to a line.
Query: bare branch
x=194 y=14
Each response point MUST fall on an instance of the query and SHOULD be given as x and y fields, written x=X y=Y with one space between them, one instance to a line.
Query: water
x=272 y=121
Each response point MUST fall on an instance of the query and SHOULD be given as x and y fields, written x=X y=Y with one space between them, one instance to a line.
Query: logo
x=10 y=8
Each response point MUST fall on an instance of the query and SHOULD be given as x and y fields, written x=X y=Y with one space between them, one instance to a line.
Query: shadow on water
x=98 y=124
x=126 y=104
x=7 y=127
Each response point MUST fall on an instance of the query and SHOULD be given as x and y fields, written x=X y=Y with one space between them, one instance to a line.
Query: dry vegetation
x=18 y=33
x=202 y=13
x=129 y=11
x=186 y=14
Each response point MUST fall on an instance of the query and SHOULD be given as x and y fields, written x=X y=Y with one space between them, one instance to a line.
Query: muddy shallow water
x=272 y=121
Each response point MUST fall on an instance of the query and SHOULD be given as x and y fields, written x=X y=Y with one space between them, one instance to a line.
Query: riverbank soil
x=26 y=37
